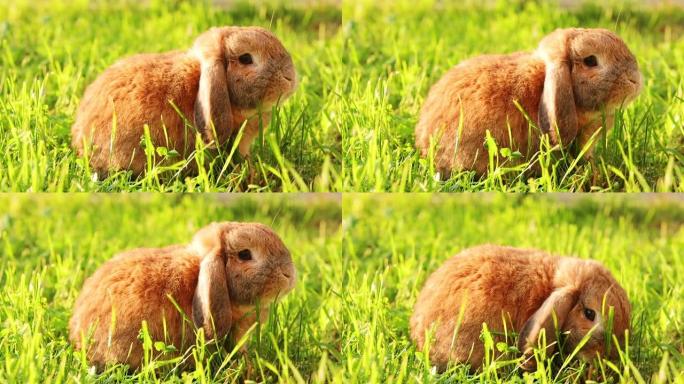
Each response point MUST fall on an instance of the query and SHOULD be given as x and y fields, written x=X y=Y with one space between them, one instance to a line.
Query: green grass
x=396 y=50
x=393 y=242
x=50 y=244
x=50 y=51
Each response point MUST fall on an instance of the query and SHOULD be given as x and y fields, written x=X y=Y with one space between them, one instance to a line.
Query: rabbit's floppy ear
x=212 y=106
x=557 y=111
x=211 y=302
x=550 y=315
x=211 y=309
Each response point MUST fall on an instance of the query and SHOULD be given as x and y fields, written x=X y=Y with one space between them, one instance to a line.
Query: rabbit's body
x=138 y=91
x=476 y=272
x=568 y=88
x=148 y=276
x=517 y=77
x=512 y=290
x=213 y=289
x=210 y=90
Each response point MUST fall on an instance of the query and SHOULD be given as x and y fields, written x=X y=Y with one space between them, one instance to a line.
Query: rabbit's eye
x=590 y=61
x=245 y=59
x=245 y=255
x=589 y=314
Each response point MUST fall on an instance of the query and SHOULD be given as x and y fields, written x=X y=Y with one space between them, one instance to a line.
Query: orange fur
x=552 y=85
x=135 y=286
x=208 y=85
x=505 y=287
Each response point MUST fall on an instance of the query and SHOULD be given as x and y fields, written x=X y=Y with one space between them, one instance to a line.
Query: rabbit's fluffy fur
x=516 y=290
x=215 y=289
x=213 y=86
x=568 y=88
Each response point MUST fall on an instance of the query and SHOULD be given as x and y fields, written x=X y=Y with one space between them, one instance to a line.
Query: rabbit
x=574 y=79
x=229 y=76
x=490 y=283
x=217 y=281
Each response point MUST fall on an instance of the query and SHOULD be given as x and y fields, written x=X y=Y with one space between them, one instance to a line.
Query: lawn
x=50 y=244
x=393 y=242
x=51 y=50
x=396 y=50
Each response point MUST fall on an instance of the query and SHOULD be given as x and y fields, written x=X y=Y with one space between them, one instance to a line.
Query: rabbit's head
x=242 y=68
x=587 y=306
x=588 y=71
x=242 y=264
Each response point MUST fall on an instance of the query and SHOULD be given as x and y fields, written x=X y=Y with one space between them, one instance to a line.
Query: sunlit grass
x=50 y=51
x=397 y=50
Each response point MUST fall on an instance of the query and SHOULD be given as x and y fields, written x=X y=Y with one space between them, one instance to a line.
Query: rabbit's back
x=143 y=89
x=499 y=286
x=477 y=96
x=136 y=286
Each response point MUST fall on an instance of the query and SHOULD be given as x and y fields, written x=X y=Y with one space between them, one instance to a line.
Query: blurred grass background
x=49 y=244
x=392 y=242
x=51 y=50
x=396 y=50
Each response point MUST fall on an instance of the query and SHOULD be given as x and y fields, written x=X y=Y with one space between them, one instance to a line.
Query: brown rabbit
x=231 y=75
x=216 y=281
x=525 y=288
x=574 y=78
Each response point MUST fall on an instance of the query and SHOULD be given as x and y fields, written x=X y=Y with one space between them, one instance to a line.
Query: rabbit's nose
x=290 y=75
x=289 y=273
